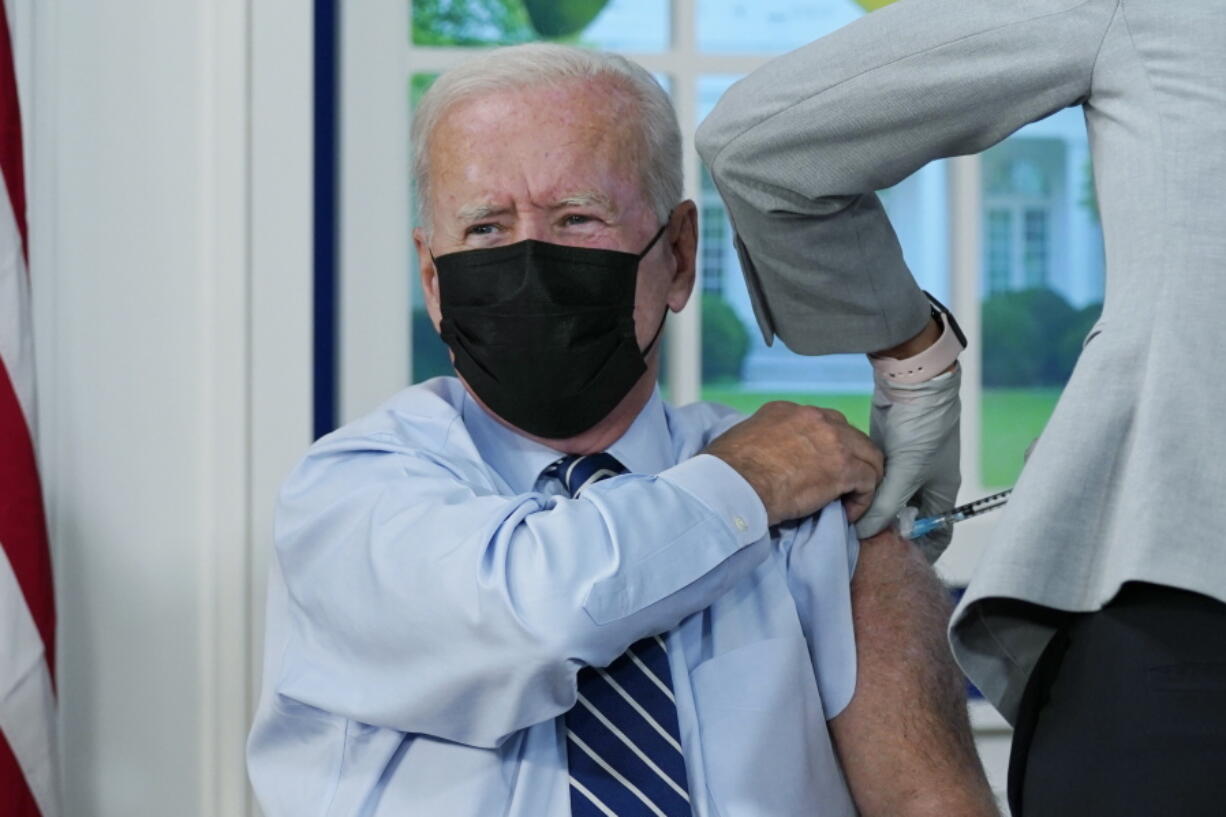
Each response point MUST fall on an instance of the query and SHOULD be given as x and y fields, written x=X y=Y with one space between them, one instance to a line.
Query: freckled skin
x=522 y=153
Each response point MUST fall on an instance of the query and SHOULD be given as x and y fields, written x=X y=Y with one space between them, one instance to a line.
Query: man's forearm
x=905 y=739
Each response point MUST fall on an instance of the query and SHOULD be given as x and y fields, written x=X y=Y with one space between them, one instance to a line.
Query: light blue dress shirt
x=432 y=600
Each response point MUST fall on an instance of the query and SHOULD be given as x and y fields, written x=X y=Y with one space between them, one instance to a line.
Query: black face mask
x=544 y=333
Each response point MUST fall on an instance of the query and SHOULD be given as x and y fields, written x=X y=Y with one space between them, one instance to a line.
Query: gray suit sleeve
x=798 y=147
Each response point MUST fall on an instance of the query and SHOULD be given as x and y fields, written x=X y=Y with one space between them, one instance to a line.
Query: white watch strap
x=927 y=364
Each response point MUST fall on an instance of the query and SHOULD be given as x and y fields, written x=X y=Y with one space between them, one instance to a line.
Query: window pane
x=771 y=26
x=1034 y=260
x=714 y=240
x=738 y=367
x=631 y=26
x=999 y=243
x=621 y=25
x=1043 y=282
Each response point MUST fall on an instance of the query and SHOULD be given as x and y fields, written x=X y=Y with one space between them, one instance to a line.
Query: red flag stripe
x=20 y=801
x=23 y=529
x=10 y=133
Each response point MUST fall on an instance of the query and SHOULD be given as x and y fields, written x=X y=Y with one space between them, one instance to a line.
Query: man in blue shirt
x=537 y=590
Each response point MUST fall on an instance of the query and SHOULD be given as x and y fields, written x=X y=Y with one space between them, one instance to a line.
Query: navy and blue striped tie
x=622 y=740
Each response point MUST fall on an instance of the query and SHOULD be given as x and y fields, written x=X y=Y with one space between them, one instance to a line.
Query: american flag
x=27 y=610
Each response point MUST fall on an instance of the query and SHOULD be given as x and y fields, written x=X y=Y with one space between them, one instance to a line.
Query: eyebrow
x=586 y=199
x=479 y=212
x=471 y=213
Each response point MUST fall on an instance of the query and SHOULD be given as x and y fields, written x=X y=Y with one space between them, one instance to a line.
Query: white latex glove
x=916 y=427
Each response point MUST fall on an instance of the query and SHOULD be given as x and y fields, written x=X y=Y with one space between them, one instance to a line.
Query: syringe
x=912 y=528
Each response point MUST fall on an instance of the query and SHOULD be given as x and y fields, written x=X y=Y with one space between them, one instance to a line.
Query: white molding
x=374 y=228
x=685 y=335
x=965 y=259
x=224 y=367
x=282 y=212
x=966 y=255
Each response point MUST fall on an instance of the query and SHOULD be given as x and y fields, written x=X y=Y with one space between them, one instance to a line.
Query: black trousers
x=1125 y=713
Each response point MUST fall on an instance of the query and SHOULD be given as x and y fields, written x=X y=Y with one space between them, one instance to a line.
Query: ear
x=682 y=238
x=429 y=276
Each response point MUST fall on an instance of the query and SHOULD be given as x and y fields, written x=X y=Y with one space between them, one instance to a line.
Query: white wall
x=170 y=211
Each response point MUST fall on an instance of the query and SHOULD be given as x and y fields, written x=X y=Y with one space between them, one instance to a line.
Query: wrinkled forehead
x=577 y=137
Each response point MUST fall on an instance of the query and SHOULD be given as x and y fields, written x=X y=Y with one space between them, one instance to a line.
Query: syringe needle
x=915 y=528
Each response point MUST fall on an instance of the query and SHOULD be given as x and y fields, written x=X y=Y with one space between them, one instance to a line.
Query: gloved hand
x=916 y=427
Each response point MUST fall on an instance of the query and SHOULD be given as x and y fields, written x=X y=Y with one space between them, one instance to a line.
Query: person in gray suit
x=1096 y=620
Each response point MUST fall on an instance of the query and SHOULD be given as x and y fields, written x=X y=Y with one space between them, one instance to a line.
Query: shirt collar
x=645 y=448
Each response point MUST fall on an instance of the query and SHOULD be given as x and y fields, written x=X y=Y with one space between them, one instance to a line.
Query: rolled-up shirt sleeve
x=821 y=553
x=422 y=600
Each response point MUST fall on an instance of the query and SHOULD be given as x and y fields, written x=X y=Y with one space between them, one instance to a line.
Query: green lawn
x=1011 y=419
x=855 y=406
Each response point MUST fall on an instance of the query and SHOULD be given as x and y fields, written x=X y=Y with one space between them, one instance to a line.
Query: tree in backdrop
x=506 y=22
x=725 y=341
x=501 y=22
x=1032 y=337
x=471 y=22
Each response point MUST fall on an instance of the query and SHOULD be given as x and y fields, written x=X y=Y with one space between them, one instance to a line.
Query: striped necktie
x=623 y=745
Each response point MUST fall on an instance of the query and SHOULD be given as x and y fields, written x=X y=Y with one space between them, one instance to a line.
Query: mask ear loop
x=664 y=317
x=654 y=239
x=656 y=336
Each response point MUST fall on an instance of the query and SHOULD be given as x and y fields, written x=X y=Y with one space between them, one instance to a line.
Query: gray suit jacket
x=1129 y=479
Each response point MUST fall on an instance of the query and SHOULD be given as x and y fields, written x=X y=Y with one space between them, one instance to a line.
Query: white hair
x=543 y=64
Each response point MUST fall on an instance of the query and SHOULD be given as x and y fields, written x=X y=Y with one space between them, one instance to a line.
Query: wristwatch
x=932 y=361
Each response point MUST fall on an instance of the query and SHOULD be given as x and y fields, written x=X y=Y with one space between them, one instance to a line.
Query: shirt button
x=740 y=523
